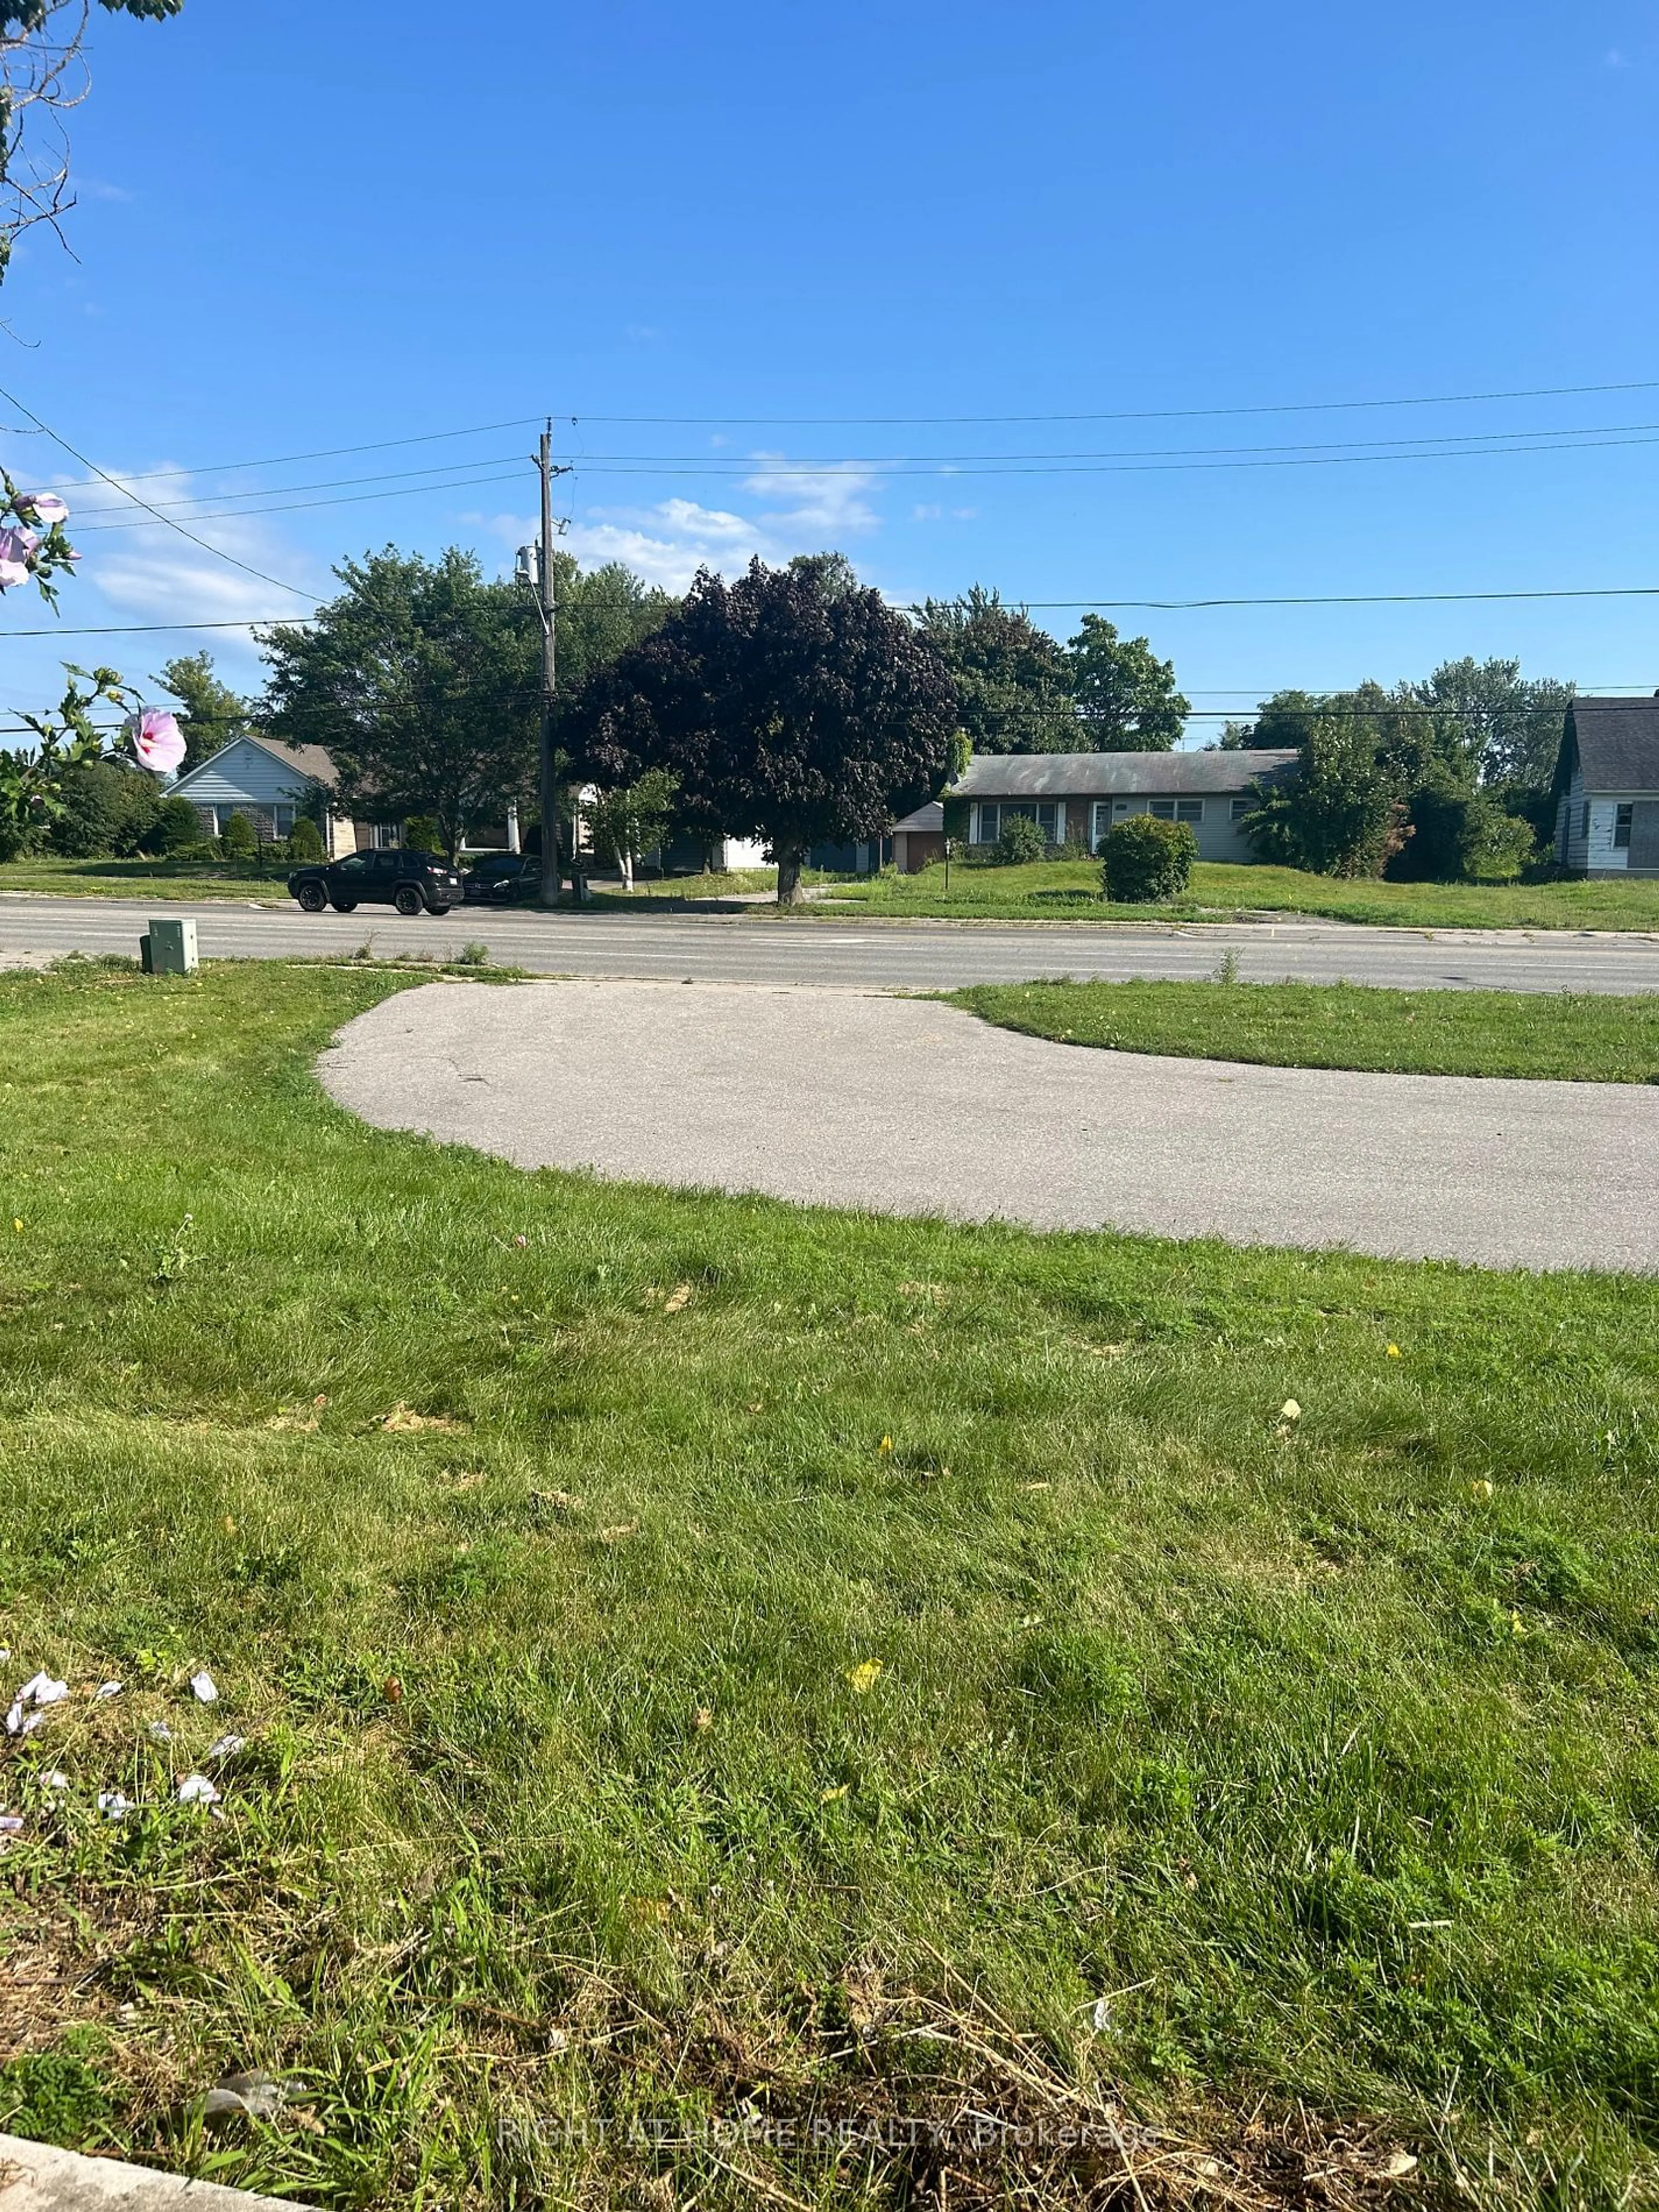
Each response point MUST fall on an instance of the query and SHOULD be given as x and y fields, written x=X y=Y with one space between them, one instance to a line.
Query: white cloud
x=142 y=571
x=668 y=542
x=830 y=499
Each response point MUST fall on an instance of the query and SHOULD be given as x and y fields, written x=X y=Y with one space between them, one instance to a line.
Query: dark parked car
x=414 y=883
x=503 y=879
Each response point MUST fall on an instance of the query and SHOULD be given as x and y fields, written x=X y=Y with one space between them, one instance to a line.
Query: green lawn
x=695 y=1650
x=1069 y=890
x=1583 y=1037
x=152 y=879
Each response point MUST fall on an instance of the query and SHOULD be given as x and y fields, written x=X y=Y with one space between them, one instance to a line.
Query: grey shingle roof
x=928 y=817
x=1618 y=743
x=1087 y=775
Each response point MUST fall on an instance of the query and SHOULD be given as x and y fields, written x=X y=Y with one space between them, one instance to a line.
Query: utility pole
x=549 y=782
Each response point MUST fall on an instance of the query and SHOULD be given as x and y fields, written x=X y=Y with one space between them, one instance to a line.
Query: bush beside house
x=1019 y=840
x=1145 y=859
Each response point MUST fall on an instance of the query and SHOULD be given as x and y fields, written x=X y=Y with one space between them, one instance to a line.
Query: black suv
x=503 y=879
x=412 y=882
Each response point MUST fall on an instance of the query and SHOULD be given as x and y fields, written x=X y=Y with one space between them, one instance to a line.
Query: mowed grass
x=1069 y=890
x=45 y=876
x=1573 y=1037
x=785 y=1664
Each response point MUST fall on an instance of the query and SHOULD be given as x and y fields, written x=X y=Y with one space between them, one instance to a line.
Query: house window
x=1623 y=819
x=282 y=821
x=1189 y=809
x=1584 y=829
x=1241 y=807
x=1045 y=813
x=1162 y=809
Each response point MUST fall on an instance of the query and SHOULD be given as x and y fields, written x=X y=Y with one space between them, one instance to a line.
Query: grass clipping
x=936 y=2097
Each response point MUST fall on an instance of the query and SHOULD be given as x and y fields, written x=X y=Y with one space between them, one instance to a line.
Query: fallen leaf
x=392 y=1690
x=829 y=1796
x=678 y=1299
x=885 y=1447
x=702 y=1719
x=1482 y=1490
x=623 y=1528
x=1034 y=1485
x=1394 y=1352
x=1290 y=1411
x=864 y=1675
x=1397 y=2164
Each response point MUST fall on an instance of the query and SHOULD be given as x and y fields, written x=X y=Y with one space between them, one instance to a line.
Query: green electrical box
x=170 y=948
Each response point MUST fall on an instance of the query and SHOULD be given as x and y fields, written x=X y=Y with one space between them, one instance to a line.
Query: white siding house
x=1606 y=788
x=273 y=785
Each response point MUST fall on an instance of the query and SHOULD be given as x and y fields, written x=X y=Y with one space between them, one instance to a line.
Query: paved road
x=718 y=948
x=855 y=1098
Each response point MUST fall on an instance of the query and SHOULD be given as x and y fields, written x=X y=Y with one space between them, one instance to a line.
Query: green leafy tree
x=1342 y=812
x=177 y=826
x=32 y=777
x=600 y=612
x=211 y=714
x=1145 y=859
x=634 y=819
x=1014 y=684
x=1126 y=696
x=794 y=705
x=1280 y=723
x=108 y=806
x=1508 y=727
x=42 y=74
x=424 y=681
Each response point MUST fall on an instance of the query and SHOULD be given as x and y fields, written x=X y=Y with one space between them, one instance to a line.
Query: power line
x=1130 y=414
x=752 y=472
x=329 y=483
x=298 y=506
x=1352 y=599
x=781 y=465
x=218 y=552
x=158 y=629
x=321 y=453
x=1043 y=606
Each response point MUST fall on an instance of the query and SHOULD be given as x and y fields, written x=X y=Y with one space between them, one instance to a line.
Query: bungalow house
x=1606 y=788
x=272 y=785
x=1075 y=799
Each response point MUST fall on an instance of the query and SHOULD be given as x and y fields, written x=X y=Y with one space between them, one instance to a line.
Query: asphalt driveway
x=854 y=1098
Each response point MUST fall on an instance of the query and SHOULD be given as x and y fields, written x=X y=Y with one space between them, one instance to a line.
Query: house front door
x=1644 y=835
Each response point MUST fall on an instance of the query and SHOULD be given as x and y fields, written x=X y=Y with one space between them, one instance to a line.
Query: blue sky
x=307 y=226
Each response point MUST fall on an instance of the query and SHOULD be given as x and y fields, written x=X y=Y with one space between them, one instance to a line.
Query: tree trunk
x=790 y=892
